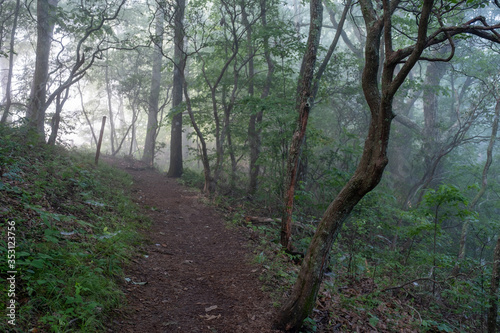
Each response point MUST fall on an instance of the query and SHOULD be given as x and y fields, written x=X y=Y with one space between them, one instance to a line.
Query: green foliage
x=74 y=228
x=449 y=196
x=192 y=178
x=309 y=325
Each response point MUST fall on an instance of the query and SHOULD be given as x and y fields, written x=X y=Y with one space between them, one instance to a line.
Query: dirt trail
x=197 y=273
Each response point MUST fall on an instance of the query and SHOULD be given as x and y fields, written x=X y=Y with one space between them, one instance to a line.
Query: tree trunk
x=296 y=167
x=230 y=25
x=209 y=180
x=303 y=104
x=46 y=12
x=482 y=190
x=176 y=168
x=431 y=147
x=252 y=123
x=117 y=150
x=227 y=126
x=495 y=280
x=372 y=163
x=8 y=89
x=110 y=109
x=254 y=131
x=154 y=94
x=56 y=119
x=133 y=138
x=333 y=45
x=86 y=116
x=366 y=177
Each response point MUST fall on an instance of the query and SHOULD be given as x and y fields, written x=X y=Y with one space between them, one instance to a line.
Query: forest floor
x=193 y=273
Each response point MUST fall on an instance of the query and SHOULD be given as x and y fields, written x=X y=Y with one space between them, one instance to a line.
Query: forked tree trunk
x=366 y=177
x=373 y=160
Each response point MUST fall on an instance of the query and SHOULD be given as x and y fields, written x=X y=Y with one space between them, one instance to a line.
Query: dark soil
x=193 y=274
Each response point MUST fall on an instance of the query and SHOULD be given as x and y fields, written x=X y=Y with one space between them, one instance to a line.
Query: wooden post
x=100 y=141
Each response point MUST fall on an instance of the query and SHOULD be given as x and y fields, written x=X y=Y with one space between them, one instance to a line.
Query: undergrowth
x=74 y=228
x=368 y=286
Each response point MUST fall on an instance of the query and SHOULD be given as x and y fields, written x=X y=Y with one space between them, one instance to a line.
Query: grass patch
x=74 y=228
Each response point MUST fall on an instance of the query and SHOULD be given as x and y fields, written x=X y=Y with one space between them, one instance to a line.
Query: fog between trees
x=369 y=127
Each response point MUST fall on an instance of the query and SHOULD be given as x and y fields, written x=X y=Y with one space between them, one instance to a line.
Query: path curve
x=193 y=274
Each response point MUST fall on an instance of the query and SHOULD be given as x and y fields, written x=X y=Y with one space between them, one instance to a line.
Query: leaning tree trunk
x=303 y=104
x=154 y=94
x=294 y=169
x=366 y=177
x=46 y=11
x=56 y=119
x=87 y=116
x=372 y=163
x=176 y=168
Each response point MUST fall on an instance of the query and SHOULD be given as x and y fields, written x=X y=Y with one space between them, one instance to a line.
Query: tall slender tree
x=154 y=92
x=176 y=160
x=8 y=88
x=255 y=121
x=307 y=90
x=304 y=103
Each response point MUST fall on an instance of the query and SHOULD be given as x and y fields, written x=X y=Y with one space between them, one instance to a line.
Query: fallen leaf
x=210 y=317
x=210 y=308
